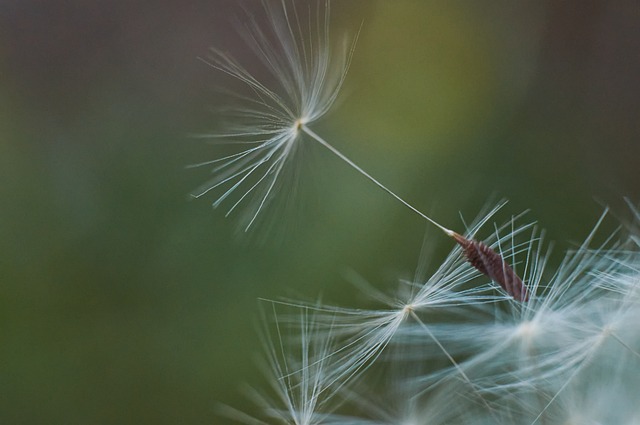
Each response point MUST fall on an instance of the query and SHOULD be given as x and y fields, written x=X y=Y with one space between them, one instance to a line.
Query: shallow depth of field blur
x=123 y=302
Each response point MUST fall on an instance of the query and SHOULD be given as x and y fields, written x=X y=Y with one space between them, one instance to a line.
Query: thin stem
x=624 y=344
x=480 y=256
x=326 y=144
x=455 y=364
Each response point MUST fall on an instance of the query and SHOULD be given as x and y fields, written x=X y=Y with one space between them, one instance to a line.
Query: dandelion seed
x=273 y=124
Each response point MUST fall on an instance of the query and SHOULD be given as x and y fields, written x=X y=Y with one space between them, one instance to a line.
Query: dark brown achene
x=491 y=264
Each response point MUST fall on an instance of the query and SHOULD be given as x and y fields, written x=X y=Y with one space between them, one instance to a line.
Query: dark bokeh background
x=123 y=303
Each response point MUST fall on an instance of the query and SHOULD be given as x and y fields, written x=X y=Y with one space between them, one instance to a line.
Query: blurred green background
x=121 y=302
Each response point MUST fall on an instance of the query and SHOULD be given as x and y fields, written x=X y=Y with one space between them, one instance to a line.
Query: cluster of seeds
x=491 y=336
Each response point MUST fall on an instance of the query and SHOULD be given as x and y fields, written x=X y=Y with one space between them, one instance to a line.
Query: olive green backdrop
x=122 y=302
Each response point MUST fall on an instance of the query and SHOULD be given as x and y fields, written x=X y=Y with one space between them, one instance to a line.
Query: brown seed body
x=491 y=264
